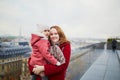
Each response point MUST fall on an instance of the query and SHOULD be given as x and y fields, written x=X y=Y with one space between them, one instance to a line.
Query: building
x=11 y=60
x=25 y=75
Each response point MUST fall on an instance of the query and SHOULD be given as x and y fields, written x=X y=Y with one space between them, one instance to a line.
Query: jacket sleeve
x=52 y=69
x=46 y=54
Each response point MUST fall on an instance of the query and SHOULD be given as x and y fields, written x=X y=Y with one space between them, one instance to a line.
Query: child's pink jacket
x=40 y=51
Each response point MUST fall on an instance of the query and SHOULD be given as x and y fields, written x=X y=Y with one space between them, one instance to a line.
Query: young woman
x=54 y=72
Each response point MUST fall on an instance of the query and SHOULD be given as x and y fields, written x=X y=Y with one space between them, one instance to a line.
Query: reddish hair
x=62 y=37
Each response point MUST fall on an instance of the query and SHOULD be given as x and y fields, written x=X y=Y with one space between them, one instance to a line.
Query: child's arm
x=46 y=54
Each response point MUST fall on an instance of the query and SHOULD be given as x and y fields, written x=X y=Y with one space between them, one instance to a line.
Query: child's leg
x=44 y=78
x=34 y=77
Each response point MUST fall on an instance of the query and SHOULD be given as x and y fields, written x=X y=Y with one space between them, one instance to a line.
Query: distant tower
x=20 y=33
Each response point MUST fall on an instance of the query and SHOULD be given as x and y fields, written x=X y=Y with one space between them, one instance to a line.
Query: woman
x=41 y=51
x=54 y=72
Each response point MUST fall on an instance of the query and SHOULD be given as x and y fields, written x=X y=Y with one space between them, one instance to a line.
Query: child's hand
x=58 y=63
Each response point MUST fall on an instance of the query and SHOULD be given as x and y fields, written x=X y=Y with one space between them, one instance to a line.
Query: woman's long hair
x=62 y=37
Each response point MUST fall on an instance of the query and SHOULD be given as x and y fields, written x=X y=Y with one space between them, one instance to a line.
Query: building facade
x=11 y=61
x=25 y=75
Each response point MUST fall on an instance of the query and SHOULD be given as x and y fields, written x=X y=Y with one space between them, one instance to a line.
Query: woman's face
x=54 y=35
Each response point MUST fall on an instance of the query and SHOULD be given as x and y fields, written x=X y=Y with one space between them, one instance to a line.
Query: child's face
x=46 y=32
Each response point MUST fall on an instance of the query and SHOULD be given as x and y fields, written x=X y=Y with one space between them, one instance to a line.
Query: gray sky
x=77 y=18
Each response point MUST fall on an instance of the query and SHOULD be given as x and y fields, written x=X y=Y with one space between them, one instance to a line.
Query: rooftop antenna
x=20 y=33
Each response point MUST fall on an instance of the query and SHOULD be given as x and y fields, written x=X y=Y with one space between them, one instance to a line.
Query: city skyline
x=77 y=18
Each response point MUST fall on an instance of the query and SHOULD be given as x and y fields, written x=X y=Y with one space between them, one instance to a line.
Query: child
x=41 y=50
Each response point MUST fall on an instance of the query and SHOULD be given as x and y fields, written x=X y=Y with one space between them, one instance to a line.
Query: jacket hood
x=35 y=38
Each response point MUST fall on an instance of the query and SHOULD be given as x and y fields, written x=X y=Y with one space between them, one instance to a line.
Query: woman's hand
x=37 y=69
x=42 y=74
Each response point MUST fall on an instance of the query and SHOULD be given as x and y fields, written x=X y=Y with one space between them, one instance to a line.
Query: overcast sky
x=77 y=18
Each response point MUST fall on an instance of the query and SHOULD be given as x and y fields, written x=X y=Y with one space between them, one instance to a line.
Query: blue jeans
x=44 y=78
x=35 y=76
